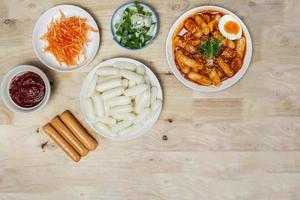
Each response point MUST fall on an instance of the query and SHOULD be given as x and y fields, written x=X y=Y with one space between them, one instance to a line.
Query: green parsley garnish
x=210 y=48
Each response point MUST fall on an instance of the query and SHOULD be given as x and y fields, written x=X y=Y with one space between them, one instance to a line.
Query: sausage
x=199 y=78
x=236 y=64
x=78 y=130
x=225 y=67
x=192 y=27
x=240 y=47
x=214 y=76
x=206 y=18
x=228 y=43
x=49 y=130
x=179 y=41
x=187 y=62
x=202 y=24
x=68 y=136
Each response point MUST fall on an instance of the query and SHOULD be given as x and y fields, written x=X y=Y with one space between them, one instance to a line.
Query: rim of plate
x=78 y=11
x=126 y=5
x=154 y=81
x=5 y=96
x=225 y=84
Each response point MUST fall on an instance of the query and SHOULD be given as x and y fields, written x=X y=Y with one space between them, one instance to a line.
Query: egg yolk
x=232 y=27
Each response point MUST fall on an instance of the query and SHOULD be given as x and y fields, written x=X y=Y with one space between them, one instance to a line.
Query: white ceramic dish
x=6 y=83
x=41 y=27
x=225 y=84
x=154 y=82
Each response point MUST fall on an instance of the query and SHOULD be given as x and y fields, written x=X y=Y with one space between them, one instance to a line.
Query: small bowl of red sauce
x=25 y=89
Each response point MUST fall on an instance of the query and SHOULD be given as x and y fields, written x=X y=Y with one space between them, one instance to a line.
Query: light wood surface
x=243 y=143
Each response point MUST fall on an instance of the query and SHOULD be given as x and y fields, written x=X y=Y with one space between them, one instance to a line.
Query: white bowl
x=116 y=16
x=225 y=84
x=41 y=27
x=6 y=83
x=154 y=82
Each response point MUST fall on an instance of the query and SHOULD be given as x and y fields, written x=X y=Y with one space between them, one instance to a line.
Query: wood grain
x=243 y=143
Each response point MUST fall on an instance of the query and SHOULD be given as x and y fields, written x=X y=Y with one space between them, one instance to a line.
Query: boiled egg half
x=230 y=27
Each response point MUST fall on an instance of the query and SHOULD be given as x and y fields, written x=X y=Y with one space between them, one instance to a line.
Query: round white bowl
x=154 y=82
x=225 y=84
x=116 y=15
x=41 y=27
x=5 y=96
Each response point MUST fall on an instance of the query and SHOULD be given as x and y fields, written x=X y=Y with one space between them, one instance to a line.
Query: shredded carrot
x=67 y=38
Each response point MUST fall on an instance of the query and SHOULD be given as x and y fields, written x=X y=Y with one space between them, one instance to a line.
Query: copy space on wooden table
x=243 y=143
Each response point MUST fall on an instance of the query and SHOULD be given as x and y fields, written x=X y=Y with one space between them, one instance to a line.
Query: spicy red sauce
x=27 y=90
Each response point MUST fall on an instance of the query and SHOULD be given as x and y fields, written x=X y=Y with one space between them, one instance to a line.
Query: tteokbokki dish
x=209 y=47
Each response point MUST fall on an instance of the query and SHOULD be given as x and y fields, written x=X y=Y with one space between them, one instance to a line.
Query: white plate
x=41 y=27
x=6 y=83
x=225 y=84
x=154 y=82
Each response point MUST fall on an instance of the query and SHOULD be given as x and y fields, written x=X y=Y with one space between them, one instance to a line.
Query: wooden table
x=243 y=143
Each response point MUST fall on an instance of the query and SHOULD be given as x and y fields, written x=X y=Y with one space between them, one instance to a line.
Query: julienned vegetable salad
x=134 y=26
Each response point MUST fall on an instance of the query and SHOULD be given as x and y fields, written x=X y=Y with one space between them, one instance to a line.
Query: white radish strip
x=107 y=120
x=131 y=84
x=156 y=105
x=91 y=115
x=91 y=87
x=136 y=90
x=121 y=126
x=144 y=100
x=103 y=128
x=143 y=116
x=125 y=116
x=140 y=69
x=119 y=101
x=132 y=76
x=106 y=78
x=106 y=71
x=110 y=84
x=98 y=104
x=147 y=79
x=130 y=129
x=154 y=92
x=125 y=65
x=125 y=83
x=113 y=93
x=120 y=110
